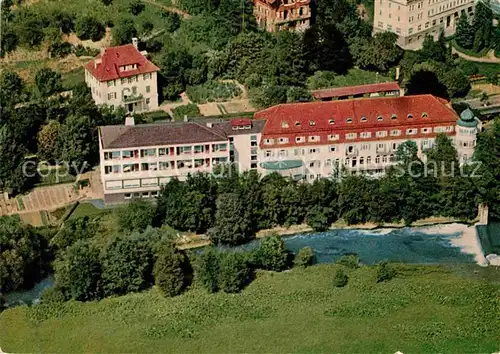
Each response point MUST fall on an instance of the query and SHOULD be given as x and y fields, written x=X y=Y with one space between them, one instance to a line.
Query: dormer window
x=312 y=123
x=349 y=120
x=379 y=118
x=363 y=119
x=297 y=124
x=394 y=116
x=410 y=116
x=425 y=115
x=284 y=124
x=331 y=121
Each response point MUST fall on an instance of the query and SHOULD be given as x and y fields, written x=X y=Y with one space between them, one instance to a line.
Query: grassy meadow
x=424 y=309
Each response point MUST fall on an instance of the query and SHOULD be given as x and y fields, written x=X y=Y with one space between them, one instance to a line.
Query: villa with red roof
x=123 y=77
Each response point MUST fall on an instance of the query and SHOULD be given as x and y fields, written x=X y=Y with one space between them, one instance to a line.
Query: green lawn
x=87 y=209
x=425 y=309
x=359 y=77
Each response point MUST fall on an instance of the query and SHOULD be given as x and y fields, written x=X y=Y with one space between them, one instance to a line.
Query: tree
x=385 y=272
x=48 y=82
x=47 y=140
x=127 y=265
x=319 y=218
x=169 y=274
x=267 y=96
x=305 y=257
x=340 y=278
x=434 y=50
x=298 y=94
x=136 y=7
x=464 y=34
x=78 y=272
x=107 y=2
x=13 y=172
x=271 y=254
x=72 y=231
x=206 y=267
x=21 y=254
x=321 y=80
x=349 y=260
x=124 y=31
x=88 y=27
x=76 y=143
x=379 y=53
x=11 y=89
x=482 y=25
x=231 y=226
x=234 y=272
x=136 y=215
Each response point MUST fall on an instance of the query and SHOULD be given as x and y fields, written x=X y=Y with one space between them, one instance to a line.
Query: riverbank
x=191 y=241
x=423 y=309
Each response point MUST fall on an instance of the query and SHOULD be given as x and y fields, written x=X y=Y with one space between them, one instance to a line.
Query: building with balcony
x=312 y=140
x=123 y=76
x=277 y=15
x=412 y=20
x=136 y=160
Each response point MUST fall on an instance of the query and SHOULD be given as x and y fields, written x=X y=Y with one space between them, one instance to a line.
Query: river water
x=440 y=244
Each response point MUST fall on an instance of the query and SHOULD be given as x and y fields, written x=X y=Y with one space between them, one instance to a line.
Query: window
x=394 y=116
x=184 y=150
x=381 y=134
x=425 y=115
x=410 y=30
x=314 y=151
x=148 y=152
x=368 y=160
x=268 y=141
x=331 y=121
x=379 y=118
x=198 y=149
x=297 y=124
x=332 y=148
x=148 y=100
x=349 y=120
x=395 y=132
x=268 y=153
x=312 y=123
x=350 y=136
x=219 y=147
x=282 y=153
x=300 y=139
x=127 y=196
x=111 y=83
x=426 y=130
x=111 y=95
x=365 y=135
x=146 y=76
x=123 y=81
x=333 y=137
x=411 y=131
x=410 y=116
x=314 y=138
x=363 y=119
x=284 y=124
x=365 y=147
x=283 y=140
x=114 y=155
x=148 y=89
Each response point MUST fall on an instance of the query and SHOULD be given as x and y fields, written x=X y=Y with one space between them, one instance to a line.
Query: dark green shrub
x=169 y=273
x=206 y=267
x=305 y=257
x=318 y=218
x=53 y=295
x=234 y=272
x=88 y=27
x=349 y=261
x=189 y=110
x=271 y=254
x=385 y=272
x=340 y=278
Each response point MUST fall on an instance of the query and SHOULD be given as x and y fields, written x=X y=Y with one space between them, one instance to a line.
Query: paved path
x=169 y=8
x=489 y=58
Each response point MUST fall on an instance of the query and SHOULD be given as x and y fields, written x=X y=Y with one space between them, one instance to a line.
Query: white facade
x=412 y=20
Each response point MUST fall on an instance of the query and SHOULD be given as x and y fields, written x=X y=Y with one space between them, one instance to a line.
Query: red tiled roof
x=114 y=57
x=355 y=90
x=324 y=118
x=240 y=122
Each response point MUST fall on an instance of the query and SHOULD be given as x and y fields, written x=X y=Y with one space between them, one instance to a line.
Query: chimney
x=210 y=124
x=397 y=72
x=129 y=121
x=185 y=118
x=135 y=42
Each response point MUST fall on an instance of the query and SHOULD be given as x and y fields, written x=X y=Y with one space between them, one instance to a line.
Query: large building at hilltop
x=277 y=15
x=303 y=141
x=412 y=20
x=123 y=76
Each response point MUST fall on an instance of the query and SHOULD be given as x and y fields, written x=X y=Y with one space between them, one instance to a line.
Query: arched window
x=312 y=123
x=379 y=118
x=410 y=116
x=363 y=119
x=349 y=120
x=331 y=121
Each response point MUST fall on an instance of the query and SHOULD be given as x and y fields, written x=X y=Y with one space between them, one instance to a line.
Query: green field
x=87 y=209
x=424 y=309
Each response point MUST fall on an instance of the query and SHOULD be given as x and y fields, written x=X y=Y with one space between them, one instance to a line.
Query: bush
x=469 y=68
x=385 y=272
x=48 y=82
x=88 y=27
x=52 y=295
x=81 y=51
x=349 y=261
x=136 y=215
x=169 y=272
x=271 y=254
x=318 y=218
x=234 y=272
x=212 y=91
x=340 y=278
x=60 y=49
x=305 y=257
x=206 y=266
x=189 y=110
